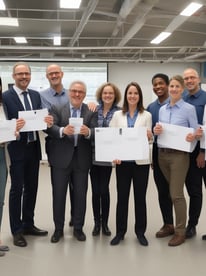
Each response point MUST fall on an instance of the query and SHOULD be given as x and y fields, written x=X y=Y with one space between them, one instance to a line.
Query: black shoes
x=105 y=230
x=79 y=235
x=3 y=250
x=58 y=234
x=116 y=240
x=34 y=231
x=142 y=240
x=96 y=230
x=19 y=240
x=190 y=232
x=204 y=237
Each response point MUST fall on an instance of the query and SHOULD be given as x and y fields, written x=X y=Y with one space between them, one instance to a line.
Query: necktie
x=30 y=134
x=74 y=112
x=74 y=115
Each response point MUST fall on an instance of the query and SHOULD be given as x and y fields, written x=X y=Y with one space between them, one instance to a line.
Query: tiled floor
x=96 y=257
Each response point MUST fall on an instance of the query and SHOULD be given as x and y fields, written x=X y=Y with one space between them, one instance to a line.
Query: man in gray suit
x=70 y=158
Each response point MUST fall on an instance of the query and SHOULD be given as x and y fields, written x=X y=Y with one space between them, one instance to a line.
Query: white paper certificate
x=7 y=130
x=76 y=123
x=121 y=143
x=34 y=119
x=174 y=137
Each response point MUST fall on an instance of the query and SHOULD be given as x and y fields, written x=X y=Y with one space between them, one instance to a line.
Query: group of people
x=70 y=152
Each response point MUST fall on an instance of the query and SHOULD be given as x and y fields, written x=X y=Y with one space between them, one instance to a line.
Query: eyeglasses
x=190 y=78
x=74 y=91
x=54 y=73
x=21 y=74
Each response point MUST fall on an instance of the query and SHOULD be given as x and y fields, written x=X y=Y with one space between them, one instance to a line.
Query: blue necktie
x=30 y=134
x=74 y=115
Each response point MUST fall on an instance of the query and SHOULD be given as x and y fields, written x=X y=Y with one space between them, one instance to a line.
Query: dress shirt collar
x=18 y=90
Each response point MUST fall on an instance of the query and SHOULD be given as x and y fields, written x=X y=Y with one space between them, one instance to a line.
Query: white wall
x=123 y=73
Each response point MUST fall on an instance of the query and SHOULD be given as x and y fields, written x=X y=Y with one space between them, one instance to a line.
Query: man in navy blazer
x=24 y=159
x=70 y=158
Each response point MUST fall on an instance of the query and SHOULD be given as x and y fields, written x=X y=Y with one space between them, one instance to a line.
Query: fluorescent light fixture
x=70 y=4
x=9 y=21
x=162 y=36
x=57 y=40
x=20 y=39
x=2 y=5
x=191 y=8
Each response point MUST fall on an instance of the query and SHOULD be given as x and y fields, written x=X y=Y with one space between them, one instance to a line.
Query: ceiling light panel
x=162 y=36
x=191 y=8
x=70 y=4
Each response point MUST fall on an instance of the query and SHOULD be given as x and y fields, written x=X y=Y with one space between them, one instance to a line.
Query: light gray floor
x=96 y=256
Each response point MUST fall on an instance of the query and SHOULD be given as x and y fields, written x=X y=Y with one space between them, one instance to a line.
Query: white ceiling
x=104 y=30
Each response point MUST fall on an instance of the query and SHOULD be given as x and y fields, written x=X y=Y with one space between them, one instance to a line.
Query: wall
x=123 y=73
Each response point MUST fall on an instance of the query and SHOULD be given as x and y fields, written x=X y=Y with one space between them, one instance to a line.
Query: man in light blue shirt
x=56 y=94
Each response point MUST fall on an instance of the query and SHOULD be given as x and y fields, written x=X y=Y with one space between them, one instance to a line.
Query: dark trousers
x=47 y=149
x=24 y=183
x=126 y=173
x=100 y=178
x=164 y=198
x=194 y=179
x=60 y=178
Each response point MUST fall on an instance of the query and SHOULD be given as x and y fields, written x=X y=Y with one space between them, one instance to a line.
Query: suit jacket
x=12 y=105
x=143 y=119
x=61 y=149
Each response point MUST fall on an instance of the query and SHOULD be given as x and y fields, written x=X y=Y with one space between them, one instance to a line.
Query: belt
x=166 y=150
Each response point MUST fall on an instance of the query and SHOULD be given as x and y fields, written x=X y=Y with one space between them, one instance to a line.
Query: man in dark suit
x=25 y=154
x=70 y=158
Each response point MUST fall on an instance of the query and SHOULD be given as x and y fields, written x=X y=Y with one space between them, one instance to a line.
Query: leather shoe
x=204 y=237
x=19 y=240
x=176 y=240
x=105 y=230
x=96 y=230
x=165 y=231
x=34 y=231
x=58 y=234
x=142 y=239
x=4 y=248
x=190 y=232
x=2 y=253
x=116 y=240
x=79 y=235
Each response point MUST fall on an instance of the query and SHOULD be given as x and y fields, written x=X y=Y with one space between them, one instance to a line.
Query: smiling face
x=22 y=76
x=108 y=95
x=191 y=80
x=160 y=87
x=175 y=90
x=54 y=75
x=132 y=96
x=77 y=93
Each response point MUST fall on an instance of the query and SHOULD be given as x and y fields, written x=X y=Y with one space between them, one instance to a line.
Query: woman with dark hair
x=133 y=114
x=3 y=174
x=108 y=96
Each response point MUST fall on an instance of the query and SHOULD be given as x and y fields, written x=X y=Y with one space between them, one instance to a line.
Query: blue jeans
x=3 y=179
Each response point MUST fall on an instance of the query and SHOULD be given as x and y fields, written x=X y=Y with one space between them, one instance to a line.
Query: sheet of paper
x=34 y=119
x=121 y=143
x=76 y=123
x=174 y=137
x=7 y=130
